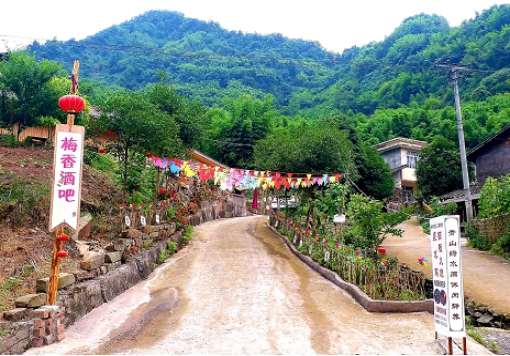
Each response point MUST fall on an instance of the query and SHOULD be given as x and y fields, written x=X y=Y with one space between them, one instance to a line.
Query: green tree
x=139 y=127
x=318 y=149
x=28 y=90
x=375 y=177
x=438 y=170
x=238 y=126
x=189 y=116
x=370 y=225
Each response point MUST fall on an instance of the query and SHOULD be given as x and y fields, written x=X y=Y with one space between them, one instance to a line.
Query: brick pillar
x=49 y=325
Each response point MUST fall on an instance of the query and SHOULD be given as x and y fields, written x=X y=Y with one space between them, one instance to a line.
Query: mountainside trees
x=29 y=91
x=438 y=171
x=139 y=127
x=393 y=87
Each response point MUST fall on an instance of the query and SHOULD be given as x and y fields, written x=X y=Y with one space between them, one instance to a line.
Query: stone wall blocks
x=64 y=280
x=31 y=300
x=17 y=314
x=119 y=280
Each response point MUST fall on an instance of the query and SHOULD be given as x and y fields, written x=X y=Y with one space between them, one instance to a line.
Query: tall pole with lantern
x=67 y=174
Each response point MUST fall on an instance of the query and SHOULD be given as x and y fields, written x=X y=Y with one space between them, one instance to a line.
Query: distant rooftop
x=400 y=142
x=202 y=158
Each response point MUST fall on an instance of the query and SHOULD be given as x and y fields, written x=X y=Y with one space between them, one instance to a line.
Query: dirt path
x=486 y=277
x=238 y=290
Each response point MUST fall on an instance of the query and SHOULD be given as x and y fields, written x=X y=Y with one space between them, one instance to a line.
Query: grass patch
x=165 y=254
x=479 y=334
x=24 y=201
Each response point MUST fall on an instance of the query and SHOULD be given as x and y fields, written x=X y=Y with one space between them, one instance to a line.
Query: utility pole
x=454 y=70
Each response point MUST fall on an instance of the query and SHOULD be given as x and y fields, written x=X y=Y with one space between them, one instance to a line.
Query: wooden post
x=464 y=345
x=450 y=346
x=55 y=266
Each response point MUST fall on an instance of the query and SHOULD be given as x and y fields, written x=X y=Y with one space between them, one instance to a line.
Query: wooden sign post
x=67 y=174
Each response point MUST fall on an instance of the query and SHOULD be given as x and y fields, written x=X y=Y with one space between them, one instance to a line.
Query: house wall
x=494 y=162
x=409 y=174
x=393 y=158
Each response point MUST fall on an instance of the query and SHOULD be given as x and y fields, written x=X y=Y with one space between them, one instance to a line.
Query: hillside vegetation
x=387 y=89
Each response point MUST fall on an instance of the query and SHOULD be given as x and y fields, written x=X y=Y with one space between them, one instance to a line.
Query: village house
x=491 y=158
x=402 y=155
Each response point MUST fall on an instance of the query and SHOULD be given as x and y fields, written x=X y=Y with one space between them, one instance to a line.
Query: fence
x=377 y=276
x=491 y=229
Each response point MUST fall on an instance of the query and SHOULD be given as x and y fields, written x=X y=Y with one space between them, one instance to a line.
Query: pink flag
x=255 y=204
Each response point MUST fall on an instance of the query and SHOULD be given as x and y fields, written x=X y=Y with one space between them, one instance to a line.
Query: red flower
x=162 y=192
x=101 y=151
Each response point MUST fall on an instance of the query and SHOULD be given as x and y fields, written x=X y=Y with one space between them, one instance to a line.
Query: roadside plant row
x=380 y=277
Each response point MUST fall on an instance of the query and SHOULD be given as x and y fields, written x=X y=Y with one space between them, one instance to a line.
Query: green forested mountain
x=201 y=59
x=385 y=89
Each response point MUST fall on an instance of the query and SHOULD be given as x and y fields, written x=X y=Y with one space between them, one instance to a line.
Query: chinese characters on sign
x=447 y=276
x=65 y=204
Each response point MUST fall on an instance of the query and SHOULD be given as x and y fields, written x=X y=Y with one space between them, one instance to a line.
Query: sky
x=335 y=24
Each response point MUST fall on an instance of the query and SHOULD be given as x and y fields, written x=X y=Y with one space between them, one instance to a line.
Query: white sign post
x=67 y=173
x=447 y=278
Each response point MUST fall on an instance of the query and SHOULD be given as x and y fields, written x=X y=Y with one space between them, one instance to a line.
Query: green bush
x=99 y=161
x=163 y=256
x=495 y=197
x=502 y=246
x=476 y=240
x=172 y=246
x=187 y=235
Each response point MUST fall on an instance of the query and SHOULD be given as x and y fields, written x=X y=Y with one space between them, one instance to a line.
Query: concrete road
x=479 y=268
x=237 y=290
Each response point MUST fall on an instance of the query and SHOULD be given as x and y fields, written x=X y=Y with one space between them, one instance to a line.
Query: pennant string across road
x=227 y=178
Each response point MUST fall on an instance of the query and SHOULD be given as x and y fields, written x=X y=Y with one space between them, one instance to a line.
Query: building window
x=412 y=158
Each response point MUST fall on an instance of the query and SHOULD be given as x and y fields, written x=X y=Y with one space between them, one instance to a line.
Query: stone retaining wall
x=35 y=324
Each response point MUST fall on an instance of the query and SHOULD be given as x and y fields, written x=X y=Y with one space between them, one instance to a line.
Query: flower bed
x=371 y=271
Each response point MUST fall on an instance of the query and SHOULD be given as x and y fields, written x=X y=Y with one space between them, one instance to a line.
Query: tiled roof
x=501 y=135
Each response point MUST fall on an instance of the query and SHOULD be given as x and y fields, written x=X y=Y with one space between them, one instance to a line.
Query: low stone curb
x=371 y=305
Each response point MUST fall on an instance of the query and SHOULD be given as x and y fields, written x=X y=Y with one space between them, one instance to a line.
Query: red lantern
x=148 y=155
x=381 y=250
x=62 y=254
x=71 y=103
x=63 y=238
x=101 y=151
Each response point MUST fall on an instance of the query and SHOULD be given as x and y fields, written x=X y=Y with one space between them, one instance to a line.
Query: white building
x=402 y=154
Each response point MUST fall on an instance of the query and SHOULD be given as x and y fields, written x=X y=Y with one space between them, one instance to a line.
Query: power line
x=228 y=143
x=334 y=61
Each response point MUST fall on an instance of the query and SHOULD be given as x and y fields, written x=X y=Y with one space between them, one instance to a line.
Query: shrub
x=172 y=246
x=187 y=235
x=476 y=240
x=495 y=197
x=370 y=225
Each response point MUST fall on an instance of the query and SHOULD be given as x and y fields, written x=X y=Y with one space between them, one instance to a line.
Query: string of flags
x=228 y=178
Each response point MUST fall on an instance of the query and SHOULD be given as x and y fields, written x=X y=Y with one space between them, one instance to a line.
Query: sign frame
x=57 y=208
x=448 y=289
